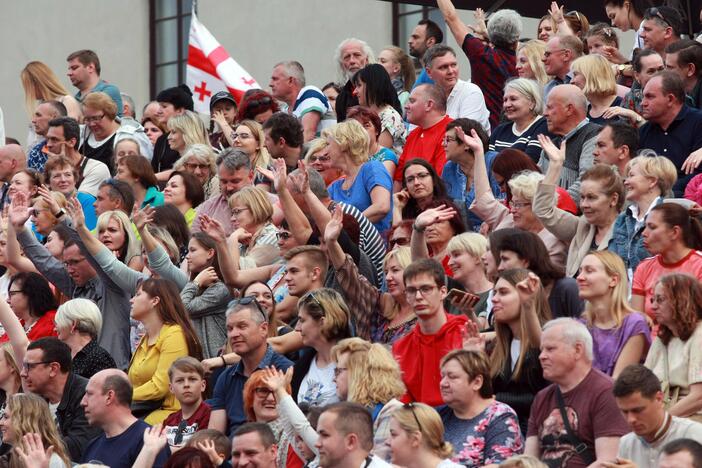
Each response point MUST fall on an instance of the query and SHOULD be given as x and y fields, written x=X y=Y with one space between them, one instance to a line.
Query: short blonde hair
x=84 y=313
x=374 y=375
x=471 y=242
x=100 y=101
x=403 y=256
x=201 y=152
x=314 y=147
x=262 y=157
x=534 y=51
x=422 y=418
x=524 y=184
x=658 y=167
x=328 y=307
x=530 y=90
x=256 y=200
x=353 y=139
x=598 y=73
x=191 y=126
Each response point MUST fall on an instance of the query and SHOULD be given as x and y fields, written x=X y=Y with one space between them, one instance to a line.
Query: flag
x=211 y=69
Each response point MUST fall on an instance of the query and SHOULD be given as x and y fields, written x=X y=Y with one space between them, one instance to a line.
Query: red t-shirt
x=419 y=356
x=425 y=143
x=42 y=328
x=198 y=421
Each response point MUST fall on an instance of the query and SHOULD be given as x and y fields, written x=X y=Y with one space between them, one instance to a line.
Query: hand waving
x=31 y=451
x=472 y=339
x=472 y=141
x=142 y=217
x=19 y=210
x=275 y=379
x=334 y=226
x=212 y=228
x=75 y=211
x=434 y=215
x=555 y=155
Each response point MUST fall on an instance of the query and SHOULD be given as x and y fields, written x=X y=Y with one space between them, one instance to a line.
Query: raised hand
x=268 y=174
x=275 y=379
x=31 y=451
x=155 y=438
x=434 y=215
x=301 y=179
x=45 y=195
x=206 y=277
x=400 y=199
x=471 y=337
x=212 y=228
x=556 y=13
x=75 y=211
x=218 y=117
x=142 y=217
x=279 y=176
x=555 y=155
x=528 y=287
x=473 y=141
x=334 y=226
x=19 y=211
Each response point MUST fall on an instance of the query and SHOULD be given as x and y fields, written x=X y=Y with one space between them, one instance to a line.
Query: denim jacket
x=627 y=241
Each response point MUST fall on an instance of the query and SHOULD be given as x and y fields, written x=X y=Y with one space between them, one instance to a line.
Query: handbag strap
x=581 y=448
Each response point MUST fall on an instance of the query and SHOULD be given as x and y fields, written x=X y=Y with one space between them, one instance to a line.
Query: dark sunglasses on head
x=246 y=300
x=264 y=101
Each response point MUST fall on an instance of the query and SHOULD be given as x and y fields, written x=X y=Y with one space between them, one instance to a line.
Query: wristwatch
x=59 y=214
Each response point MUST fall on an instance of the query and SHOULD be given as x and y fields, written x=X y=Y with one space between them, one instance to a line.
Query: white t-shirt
x=514 y=351
x=317 y=387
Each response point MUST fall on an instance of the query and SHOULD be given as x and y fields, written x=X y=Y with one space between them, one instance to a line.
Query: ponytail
x=673 y=215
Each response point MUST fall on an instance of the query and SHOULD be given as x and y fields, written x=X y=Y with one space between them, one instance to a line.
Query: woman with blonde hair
x=200 y=160
x=254 y=241
x=417 y=438
x=323 y=320
x=380 y=316
x=366 y=184
x=40 y=83
x=465 y=252
x=250 y=138
x=620 y=335
x=648 y=182
x=594 y=75
x=401 y=70
x=185 y=130
x=529 y=61
x=482 y=430
x=317 y=157
x=27 y=413
x=114 y=230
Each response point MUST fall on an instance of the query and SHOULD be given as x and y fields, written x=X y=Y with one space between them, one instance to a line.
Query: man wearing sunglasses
x=661 y=27
x=247 y=331
x=419 y=353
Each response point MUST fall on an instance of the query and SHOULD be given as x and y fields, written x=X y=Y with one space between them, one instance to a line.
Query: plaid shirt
x=490 y=69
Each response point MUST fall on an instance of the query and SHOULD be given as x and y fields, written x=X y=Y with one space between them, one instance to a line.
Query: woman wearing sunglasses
x=317 y=157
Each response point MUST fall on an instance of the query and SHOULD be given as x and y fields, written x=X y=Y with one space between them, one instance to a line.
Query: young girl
x=205 y=296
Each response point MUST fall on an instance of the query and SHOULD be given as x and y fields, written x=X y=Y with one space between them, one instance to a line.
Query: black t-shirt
x=102 y=153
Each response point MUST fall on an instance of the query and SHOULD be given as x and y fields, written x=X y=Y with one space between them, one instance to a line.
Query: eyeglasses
x=246 y=300
x=316 y=301
x=93 y=118
x=339 y=370
x=322 y=159
x=411 y=179
x=193 y=166
x=263 y=392
x=73 y=263
x=447 y=139
x=238 y=211
x=264 y=101
x=656 y=13
x=12 y=293
x=549 y=53
x=411 y=406
x=283 y=235
x=399 y=241
x=31 y=365
x=519 y=205
x=423 y=290
x=241 y=136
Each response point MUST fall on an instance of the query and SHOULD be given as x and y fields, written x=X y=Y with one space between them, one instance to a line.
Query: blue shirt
x=109 y=89
x=455 y=181
x=423 y=78
x=122 y=450
x=370 y=175
x=152 y=197
x=682 y=137
x=229 y=390
x=86 y=201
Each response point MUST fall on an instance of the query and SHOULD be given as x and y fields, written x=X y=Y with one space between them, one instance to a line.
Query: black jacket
x=73 y=425
x=164 y=157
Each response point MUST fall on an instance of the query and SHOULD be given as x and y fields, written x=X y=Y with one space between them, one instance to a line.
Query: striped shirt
x=506 y=136
x=311 y=99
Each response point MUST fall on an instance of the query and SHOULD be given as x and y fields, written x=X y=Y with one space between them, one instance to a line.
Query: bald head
x=426 y=105
x=12 y=159
x=565 y=109
x=116 y=381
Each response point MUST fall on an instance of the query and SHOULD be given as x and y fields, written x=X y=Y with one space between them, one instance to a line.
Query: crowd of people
x=402 y=267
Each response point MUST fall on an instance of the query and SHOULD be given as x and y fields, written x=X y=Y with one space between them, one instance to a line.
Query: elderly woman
x=594 y=75
x=78 y=324
x=674 y=355
x=482 y=430
x=529 y=61
x=62 y=177
x=432 y=231
x=366 y=184
x=138 y=173
x=601 y=195
x=43 y=218
x=522 y=106
x=317 y=157
x=401 y=70
x=199 y=160
x=103 y=131
x=254 y=240
x=648 y=181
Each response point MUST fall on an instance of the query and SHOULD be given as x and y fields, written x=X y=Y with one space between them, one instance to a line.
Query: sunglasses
x=411 y=406
x=656 y=13
x=314 y=298
x=244 y=301
x=264 y=101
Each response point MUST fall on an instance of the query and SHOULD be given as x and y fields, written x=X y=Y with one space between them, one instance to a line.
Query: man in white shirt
x=638 y=394
x=464 y=99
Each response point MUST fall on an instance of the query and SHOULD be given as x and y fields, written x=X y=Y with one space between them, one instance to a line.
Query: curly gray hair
x=345 y=75
x=504 y=27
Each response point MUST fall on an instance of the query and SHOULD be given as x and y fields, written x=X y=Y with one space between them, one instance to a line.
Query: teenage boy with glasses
x=435 y=334
x=247 y=330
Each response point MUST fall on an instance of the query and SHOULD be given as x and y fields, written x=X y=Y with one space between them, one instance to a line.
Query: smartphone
x=457 y=294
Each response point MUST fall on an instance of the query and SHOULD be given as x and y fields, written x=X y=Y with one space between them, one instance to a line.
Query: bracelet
x=417 y=228
x=224 y=361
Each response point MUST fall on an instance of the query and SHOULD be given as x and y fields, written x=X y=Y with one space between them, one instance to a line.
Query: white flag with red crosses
x=211 y=69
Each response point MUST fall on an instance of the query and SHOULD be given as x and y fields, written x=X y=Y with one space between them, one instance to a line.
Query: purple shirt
x=608 y=344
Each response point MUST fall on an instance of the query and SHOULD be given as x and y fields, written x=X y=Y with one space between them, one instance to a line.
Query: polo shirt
x=682 y=137
x=229 y=390
x=425 y=143
x=109 y=89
